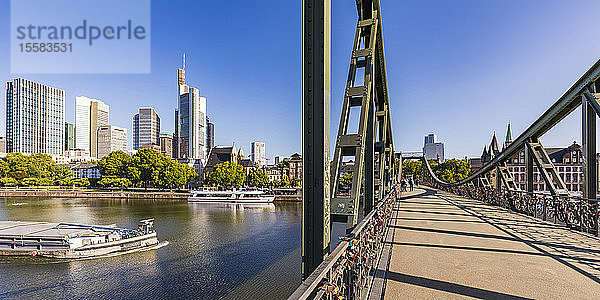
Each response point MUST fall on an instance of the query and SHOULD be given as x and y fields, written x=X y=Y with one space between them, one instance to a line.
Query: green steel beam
x=588 y=138
x=316 y=36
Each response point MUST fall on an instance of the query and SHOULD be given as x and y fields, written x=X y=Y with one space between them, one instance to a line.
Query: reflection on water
x=215 y=251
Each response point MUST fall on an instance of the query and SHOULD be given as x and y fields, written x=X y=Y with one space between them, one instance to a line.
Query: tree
x=8 y=181
x=62 y=173
x=41 y=166
x=70 y=181
x=4 y=168
x=109 y=181
x=227 y=174
x=412 y=168
x=29 y=181
x=146 y=161
x=285 y=181
x=84 y=182
x=257 y=177
x=116 y=163
x=451 y=171
x=45 y=182
x=18 y=165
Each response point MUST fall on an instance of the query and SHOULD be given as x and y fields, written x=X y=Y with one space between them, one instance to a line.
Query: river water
x=214 y=251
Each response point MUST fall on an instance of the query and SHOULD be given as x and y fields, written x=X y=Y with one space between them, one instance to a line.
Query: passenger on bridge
x=412 y=184
x=403 y=185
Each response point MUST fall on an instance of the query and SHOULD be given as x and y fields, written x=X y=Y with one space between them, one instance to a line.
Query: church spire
x=494 y=148
x=508 y=136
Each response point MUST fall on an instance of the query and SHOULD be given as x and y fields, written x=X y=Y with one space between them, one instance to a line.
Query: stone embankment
x=117 y=194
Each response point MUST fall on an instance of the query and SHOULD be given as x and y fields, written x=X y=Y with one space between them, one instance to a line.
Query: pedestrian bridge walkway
x=447 y=246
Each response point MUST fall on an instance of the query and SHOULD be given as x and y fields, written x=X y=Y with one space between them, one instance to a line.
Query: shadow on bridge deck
x=445 y=246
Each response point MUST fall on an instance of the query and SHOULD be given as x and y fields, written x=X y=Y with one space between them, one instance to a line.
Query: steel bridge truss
x=326 y=197
x=366 y=96
x=576 y=212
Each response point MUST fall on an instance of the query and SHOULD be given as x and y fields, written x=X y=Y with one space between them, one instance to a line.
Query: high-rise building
x=35 y=117
x=166 y=144
x=432 y=148
x=111 y=138
x=69 y=136
x=210 y=135
x=2 y=145
x=146 y=128
x=278 y=159
x=258 y=153
x=190 y=121
x=90 y=114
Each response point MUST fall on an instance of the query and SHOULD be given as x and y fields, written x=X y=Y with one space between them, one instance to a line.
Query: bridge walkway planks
x=446 y=246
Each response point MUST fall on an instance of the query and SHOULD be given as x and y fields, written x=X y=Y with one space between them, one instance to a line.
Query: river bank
x=117 y=194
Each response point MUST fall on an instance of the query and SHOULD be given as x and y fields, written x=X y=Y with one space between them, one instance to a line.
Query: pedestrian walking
x=417 y=182
x=412 y=184
x=403 y=185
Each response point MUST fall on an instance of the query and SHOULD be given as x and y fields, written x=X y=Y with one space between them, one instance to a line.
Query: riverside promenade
x=446 y=246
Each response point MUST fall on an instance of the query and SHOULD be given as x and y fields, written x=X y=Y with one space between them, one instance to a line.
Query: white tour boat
x=230 y=197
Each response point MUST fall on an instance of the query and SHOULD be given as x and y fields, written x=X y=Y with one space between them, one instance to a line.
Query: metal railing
x=572 y=212
x=347 y=273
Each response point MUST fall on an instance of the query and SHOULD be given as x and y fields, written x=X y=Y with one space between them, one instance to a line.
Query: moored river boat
x=235 y=196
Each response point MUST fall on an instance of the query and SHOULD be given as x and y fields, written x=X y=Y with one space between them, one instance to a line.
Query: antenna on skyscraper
x=184 y=62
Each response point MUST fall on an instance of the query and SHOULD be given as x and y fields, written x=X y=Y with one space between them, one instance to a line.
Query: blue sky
x=460 y=68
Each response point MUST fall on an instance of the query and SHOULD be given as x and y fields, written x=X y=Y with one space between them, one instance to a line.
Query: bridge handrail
x=575 y=213
x=316 y=285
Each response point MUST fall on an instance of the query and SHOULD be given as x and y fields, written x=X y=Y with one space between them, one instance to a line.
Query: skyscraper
x=35 y=117
x=111 y=138
x=258 y=153
x=2 y=145
x=190 y=121
x=210 y=135
x=69 y=136
x=90 y=114
x=146 y=128
x=432 y=149
x=166 y=144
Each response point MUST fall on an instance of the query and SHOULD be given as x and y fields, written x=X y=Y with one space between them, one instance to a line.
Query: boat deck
x=19 y=229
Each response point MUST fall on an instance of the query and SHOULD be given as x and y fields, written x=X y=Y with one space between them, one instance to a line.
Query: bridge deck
x=446 y=246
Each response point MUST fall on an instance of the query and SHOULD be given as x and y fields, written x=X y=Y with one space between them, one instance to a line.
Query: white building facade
x=433 y=149
x=90 y=114
x=35 y=117
x=258 y=153
x=111 y=138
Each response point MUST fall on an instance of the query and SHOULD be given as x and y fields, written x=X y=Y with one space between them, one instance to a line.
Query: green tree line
x=452 y=170
x=146 y=168
x=228 y=174
x=39 y=169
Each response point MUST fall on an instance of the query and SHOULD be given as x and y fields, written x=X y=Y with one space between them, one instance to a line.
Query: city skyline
x=459 y=58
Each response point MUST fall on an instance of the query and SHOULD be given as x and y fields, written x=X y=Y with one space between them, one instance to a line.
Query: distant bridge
x=444 y=239
x=412 y=155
